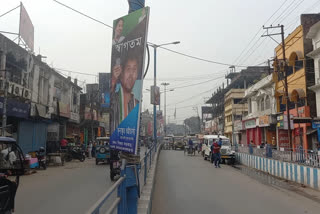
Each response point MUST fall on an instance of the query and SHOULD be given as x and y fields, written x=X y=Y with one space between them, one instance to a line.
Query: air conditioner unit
x=26 y=93
x=10 y=86
x=17 y=90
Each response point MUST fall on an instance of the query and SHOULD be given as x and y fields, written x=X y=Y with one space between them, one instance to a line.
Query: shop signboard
x=283 y=138
x=264 y=121
x=316 y=125
x=127 y=58
x=282 y=121
x=249 y=124
x=15 y=108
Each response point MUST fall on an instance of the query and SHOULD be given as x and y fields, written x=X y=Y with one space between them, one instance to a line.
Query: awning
x=311 y=131
x=302 y=120
x=41 y=110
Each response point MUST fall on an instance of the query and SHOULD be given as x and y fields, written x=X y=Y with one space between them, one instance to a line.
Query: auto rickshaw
x=11 y=167
x=102 y=150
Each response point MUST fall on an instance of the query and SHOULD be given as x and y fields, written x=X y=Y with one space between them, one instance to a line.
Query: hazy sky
x=210 y=29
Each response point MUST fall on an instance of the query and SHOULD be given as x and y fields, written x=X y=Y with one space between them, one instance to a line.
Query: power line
x=9 y=11
x=85 y=15
x=176 y=52
x=202 y=59
x=198 y=83
x=259 y=32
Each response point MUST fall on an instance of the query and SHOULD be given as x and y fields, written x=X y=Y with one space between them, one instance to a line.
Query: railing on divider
x=120 y=185
x=300 y=156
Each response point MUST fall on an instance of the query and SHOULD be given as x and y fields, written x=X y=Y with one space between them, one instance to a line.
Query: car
x=227 y=154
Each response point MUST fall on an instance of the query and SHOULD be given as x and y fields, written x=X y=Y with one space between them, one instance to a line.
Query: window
x=249 y=106
x=289 y=70
x=262 y=104
x=298 y=64
x=267 y=102
x=236 y=101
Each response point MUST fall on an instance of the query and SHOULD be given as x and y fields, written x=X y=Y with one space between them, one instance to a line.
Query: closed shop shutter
x=32 y=135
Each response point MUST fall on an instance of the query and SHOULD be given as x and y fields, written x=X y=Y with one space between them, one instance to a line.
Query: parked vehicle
x=178 y=143
x=115 y=165
x=11 y=167
x=102 y=150
x=168 y=143
x=75 y=152
x=227 y=154
x=41 y=156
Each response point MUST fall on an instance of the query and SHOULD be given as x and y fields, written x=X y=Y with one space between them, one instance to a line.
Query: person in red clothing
x=216 y=154
x=63 y=144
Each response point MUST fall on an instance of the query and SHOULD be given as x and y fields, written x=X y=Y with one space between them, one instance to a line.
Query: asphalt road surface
x=71 y=189
x=186 y=184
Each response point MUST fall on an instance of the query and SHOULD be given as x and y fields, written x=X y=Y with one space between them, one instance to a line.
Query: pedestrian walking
x=212 y=154
x=216 y=153
x=94 y=146
x=90 y=150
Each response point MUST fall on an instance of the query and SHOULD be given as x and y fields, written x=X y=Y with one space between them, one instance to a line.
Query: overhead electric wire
x=176 y=52
x=259 y=31
x=292 y=6
x=9 y=11
x=83 y=14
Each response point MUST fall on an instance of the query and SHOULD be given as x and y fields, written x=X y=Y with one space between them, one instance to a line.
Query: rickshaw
x=11 y=167
x=102 y=150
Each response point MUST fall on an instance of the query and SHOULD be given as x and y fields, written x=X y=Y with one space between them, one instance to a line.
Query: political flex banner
x=127 y=64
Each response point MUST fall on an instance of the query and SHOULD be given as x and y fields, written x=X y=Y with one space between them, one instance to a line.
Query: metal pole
x=4 y=112
x=154 y=105
x=286 y=84
x=165 y=109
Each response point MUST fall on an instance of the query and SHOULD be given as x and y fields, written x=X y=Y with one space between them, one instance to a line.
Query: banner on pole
x=127 y=65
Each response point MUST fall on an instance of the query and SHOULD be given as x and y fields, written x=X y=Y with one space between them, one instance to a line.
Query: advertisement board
x=127 y=65
x=155 y=95
x=26 y=29
x=264 y=121
x=104 y=88
x=283 y=138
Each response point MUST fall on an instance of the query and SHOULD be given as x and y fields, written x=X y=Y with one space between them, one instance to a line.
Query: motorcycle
x=190 y=150
x=41 y=156
x=75 y=153
x=115 y=165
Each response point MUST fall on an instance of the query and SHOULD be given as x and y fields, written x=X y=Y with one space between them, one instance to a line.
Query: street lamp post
x=165 y=84
x=155 y=85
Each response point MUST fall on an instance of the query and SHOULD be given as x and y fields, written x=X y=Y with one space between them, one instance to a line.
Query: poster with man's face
x=127 y=62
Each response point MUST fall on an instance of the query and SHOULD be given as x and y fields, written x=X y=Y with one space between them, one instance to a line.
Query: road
x=186 y=184
x=71 y=189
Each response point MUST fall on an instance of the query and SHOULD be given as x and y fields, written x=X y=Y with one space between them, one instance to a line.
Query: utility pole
x=285 y=73
x=5 y=87
x=165 y=84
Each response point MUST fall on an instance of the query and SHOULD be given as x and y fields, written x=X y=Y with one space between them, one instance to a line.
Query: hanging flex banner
x=127 y=64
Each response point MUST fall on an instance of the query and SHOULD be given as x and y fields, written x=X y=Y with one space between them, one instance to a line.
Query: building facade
x=46 y=104
x=234 y=109
x=300 y=75
x=260 y=123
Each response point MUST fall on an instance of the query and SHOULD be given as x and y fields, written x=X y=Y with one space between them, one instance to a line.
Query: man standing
x=216 y=153
x=212 y=154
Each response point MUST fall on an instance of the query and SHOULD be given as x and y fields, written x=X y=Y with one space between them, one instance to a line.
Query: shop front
x=299 y=130
x=267 y=125
x=253 y=132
